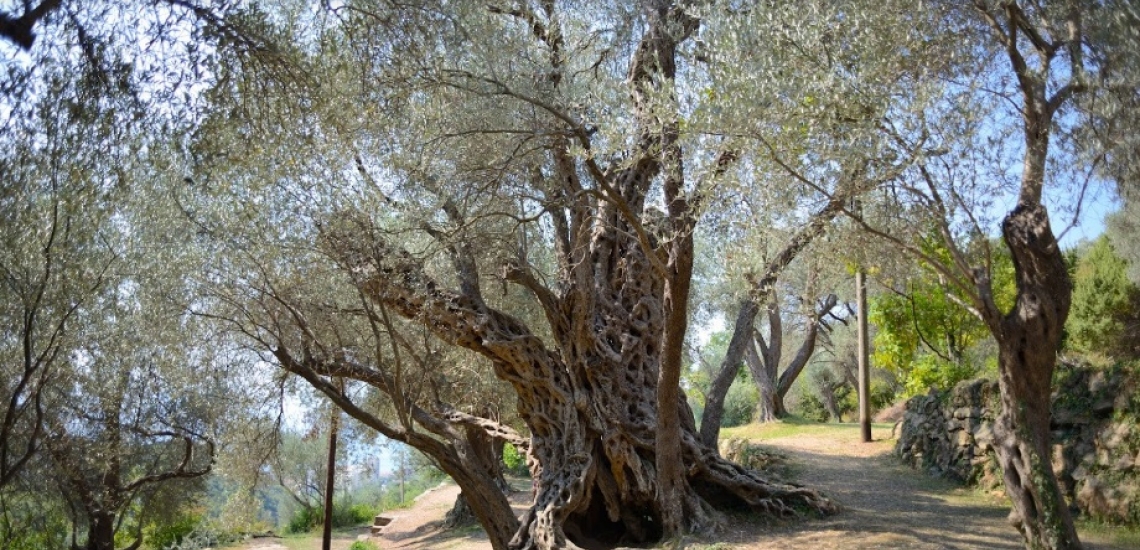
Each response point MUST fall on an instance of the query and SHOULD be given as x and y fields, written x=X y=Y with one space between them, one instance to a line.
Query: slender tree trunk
x=737 y=346
x=830 y=404
x=330 y=475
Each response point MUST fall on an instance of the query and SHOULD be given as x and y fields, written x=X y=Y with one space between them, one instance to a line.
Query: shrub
x=344 y=515
x=305 y=519
x=167 y=535
x=740 y=403
x=514 y=461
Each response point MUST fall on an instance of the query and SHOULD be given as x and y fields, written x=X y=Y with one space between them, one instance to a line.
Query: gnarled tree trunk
x=613 y=445
x=1028 y=338
x=1029 y=335
x=590 y=402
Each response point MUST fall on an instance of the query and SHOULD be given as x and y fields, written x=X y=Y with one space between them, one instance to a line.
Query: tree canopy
x=468 y=224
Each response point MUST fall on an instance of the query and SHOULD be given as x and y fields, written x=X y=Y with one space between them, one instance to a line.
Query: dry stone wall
x=1096 y=439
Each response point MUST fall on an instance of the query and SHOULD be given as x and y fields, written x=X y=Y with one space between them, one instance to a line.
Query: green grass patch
x=1103 y=533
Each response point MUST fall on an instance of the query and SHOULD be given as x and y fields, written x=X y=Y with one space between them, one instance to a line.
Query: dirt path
x=418 y=527
x=885 y=505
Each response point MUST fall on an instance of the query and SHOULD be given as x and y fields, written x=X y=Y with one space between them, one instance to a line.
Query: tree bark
x=718 y=390
x=590 y=405
x=459 y=515
x=1028 y=339
x=765 y=382
x=101 y=531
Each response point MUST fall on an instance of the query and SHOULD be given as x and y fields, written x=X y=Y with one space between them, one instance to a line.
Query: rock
x=1114 y=435
x=1098 y=382
x=1090 y=497
x=1104 y=406
x=1080 y=473
x=984 y=434
x=964 y=438
x=1124 y=463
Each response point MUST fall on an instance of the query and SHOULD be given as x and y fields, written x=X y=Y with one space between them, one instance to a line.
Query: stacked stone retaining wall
x=1096 y=440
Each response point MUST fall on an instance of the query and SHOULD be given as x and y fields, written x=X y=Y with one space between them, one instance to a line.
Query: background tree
x=1105 y=316
x=924 y=335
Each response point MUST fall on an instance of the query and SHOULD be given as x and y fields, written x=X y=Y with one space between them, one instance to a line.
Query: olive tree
x=1025 y=118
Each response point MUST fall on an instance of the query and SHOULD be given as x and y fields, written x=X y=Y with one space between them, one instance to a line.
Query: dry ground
x=885 y=505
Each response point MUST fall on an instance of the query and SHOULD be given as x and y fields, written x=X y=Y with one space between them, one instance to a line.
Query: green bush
x=740 y=403
x=344 y=515
x=356 y=514
x=812 y=408
x=882 y=395
x=514 y=461
x=162 y=536
x=363 y=545
x=305 y=519
x=929 y=371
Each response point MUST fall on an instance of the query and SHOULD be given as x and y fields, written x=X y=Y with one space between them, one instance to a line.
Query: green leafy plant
x=514 y=461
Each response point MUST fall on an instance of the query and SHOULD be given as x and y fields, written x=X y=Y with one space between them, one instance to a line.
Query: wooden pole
x=864 y=355
x=330 y=478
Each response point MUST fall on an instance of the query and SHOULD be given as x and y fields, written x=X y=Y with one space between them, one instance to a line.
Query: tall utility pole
x=864 y=389
x=330 y=478
x=864 y=352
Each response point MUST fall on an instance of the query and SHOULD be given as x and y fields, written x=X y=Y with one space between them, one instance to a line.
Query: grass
x=1116 y=535
x=312 y=540
x=791 y=426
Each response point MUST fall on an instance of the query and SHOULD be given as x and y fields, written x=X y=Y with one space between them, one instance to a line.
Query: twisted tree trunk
x=590 y=403
x=1028 y=338
x=1029 y=335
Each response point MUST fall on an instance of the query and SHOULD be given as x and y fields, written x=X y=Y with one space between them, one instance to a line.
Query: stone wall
x=1096 y=450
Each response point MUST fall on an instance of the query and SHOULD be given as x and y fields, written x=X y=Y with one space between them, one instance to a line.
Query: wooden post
x=864 y=353
x=330 y=478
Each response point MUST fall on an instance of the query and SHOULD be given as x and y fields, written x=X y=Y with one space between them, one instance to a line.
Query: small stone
x=984 y=434
x=1080 y=472
x=1123 y=463
x=964 y=438
x=1104 y=405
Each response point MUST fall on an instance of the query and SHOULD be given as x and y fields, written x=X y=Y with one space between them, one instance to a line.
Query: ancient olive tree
x=520 y=145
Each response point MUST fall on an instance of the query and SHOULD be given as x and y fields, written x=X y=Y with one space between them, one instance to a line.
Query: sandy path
x=418 y=527
x=885 y=505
